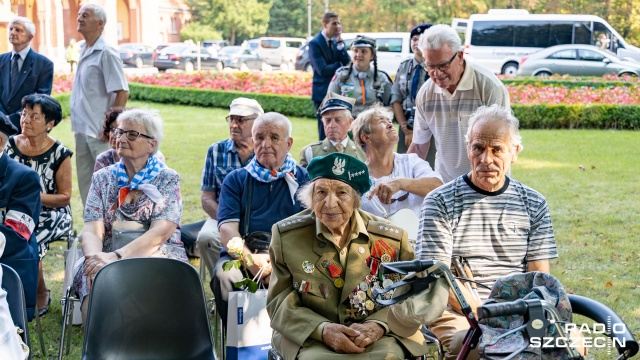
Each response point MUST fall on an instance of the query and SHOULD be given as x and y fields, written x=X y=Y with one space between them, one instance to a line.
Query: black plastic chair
x=147 y=308
x=624 y=341
x=12 y=284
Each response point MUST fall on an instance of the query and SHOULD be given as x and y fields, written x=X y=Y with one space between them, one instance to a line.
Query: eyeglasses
x=238 y=120
x=32 y=117
x=441 y=67
x=401 y=198
x=132 y=135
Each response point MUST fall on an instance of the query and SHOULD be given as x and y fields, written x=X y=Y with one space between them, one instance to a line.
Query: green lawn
x=594 y=211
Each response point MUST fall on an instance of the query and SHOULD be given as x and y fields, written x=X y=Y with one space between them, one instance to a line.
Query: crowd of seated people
x=320 y=222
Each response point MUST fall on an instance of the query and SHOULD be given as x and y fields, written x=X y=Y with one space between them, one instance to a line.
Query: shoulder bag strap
x=247 y=207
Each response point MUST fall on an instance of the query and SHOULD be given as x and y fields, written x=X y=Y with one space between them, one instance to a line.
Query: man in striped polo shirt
x=455 y=89
x=497 y=224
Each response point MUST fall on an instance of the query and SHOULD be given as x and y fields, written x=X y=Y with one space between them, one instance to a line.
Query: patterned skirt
x=52 y=224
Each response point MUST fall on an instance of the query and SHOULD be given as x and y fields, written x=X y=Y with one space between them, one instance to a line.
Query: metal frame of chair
x=68 y=300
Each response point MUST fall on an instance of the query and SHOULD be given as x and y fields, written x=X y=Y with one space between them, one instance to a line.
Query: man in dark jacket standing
x=22 y=70
x=327 y=53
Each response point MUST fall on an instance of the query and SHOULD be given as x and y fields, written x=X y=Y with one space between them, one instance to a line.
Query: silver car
x=577 y=60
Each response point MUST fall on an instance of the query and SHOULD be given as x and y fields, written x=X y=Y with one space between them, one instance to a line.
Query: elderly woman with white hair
x=138 y=191
x=399 y=181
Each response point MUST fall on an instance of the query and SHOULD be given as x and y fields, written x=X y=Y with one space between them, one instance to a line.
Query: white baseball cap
x=245 y=107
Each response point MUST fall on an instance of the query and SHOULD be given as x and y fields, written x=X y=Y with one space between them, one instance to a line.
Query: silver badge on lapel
x=308 y=267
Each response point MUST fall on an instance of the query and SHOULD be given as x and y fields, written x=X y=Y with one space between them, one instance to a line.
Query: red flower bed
x=299 y=83
x=294 y=83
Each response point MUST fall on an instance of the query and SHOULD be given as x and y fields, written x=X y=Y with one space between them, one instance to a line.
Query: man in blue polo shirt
x=254 y=198
x=222 y=158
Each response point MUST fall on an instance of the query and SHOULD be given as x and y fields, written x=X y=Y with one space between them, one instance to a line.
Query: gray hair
x=274 y=118
x=362 y=124
x=98 y=12
x=305 y=195
x=28 y=24
x=149 y=119
x=439 y=36
x=496 y=112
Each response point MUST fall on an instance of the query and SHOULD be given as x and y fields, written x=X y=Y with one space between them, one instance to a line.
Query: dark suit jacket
x=36 y=76
x=19 y=200
x=324 y=64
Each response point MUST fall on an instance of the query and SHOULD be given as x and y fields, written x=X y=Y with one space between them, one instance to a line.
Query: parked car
x=136 y=55
x=241 y=58
x=217 y=44
x=185 y=57
x=277 y=51
x=578 y=60
x=302 y=59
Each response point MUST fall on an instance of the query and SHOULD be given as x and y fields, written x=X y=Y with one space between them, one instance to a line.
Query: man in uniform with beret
x=336 y=118
x=409 y=79
x=19 y=212
x=325 y=264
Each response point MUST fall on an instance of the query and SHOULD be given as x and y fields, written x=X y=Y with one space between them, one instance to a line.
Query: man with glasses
x=222 y=158
x=336 y=119
x=99 y=86
x=456 y=88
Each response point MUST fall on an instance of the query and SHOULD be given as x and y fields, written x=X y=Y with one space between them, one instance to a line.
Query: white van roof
x=516 y=17
x=375 y=35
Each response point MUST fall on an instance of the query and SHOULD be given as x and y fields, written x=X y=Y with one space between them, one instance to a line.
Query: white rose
x=235 y=246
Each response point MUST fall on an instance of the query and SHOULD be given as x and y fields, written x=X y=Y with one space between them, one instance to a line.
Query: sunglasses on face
x=238 y=120
x=132 y=135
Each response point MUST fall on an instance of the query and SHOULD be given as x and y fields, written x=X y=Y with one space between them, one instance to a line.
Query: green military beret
x=343 y=167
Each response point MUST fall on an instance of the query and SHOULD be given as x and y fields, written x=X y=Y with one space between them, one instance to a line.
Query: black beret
x=418 y=30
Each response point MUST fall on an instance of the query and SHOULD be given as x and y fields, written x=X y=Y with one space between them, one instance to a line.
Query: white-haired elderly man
x=456 y=88
x=222 y=158
x=336 y=119
x=252 y=199
x=22 y=70
x=99 y=86
x=498 y=225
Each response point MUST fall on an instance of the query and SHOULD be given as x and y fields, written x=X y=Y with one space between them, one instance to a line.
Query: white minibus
x=499 y=41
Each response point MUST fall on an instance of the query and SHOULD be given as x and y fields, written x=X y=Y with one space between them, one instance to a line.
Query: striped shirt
x=222 y=158
x=498 y=232
x=446 y=116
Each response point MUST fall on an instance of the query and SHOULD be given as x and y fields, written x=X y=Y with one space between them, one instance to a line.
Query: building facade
x=151 y=22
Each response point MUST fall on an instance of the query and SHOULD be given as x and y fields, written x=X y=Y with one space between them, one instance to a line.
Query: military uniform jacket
x=325 y=147
x=302 y=290
x=378 y=91
x=401 y=89
x=19 y=212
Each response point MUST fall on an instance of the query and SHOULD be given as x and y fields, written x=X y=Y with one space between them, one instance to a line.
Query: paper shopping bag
x=248 y=326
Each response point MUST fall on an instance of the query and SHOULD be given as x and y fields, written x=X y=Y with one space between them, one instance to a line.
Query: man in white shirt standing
x=455 y=90
x=99 y=86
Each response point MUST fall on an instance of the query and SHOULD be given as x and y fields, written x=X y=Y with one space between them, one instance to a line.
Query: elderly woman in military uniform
x=325 y=263
x=360 y=80
x=400 y=181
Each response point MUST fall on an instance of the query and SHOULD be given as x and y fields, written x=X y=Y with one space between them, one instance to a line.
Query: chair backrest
x=147 y=308
x=12 y=284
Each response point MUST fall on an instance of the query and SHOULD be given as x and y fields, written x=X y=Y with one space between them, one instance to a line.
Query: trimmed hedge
x=291 y=105
x=530 y=116
x=597 y=83
x=64 y=100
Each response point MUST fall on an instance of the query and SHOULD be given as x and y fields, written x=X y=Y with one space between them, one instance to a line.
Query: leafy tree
x=248 y=18
x=288 y=18
x=199 y=32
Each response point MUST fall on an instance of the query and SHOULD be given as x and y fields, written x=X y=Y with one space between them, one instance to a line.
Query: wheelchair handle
x=405 y=267
x=517 y=307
